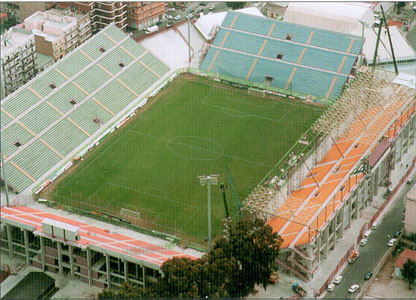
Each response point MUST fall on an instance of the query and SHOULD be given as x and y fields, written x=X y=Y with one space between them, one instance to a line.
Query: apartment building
x=103 y=13
x=22 y=10
x=142 y=14
x=18 y=59
x=83 y=22
x=135 y=15
x=57 y=32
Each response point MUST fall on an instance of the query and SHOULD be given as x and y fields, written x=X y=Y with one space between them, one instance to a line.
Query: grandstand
x=297 y=58
x=340 y=182
x=44 y=121
x=97 y=256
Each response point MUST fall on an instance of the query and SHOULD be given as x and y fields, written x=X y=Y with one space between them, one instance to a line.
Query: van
x=367 y=234
x=152 y=29
x=374 y=226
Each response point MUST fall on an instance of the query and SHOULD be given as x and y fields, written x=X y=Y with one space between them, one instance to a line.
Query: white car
x=363 y=242
x=338 y=279
x=178 y=17
x=169 y=17
x=391 y=242
x=330 y=287
x=189 y=16
x=212 y=7
x=353 y=288
x=172 y=9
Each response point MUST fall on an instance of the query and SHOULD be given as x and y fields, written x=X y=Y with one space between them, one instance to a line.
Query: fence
x=335 y=271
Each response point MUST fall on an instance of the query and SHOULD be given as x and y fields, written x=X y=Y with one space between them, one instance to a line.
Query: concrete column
x=42 y=249
x=126 y=277
x=89 y=266
x=107 y=263
x=144 y=275
x=26 y=237
x=318 y=245
x=341 y=218
x=60 y=258
x=325 y=242
x=71 y=260
x=9 y=238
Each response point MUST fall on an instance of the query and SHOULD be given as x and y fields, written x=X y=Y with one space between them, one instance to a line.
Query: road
x=372 y=253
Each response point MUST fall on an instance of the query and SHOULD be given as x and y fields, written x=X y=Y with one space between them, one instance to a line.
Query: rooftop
x=404 y=256
x=402 y=48
x=14 y=38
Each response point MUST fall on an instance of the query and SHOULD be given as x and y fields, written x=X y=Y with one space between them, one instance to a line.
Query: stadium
x=299 y=133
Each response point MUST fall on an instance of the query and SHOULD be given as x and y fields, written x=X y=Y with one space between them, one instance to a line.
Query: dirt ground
x=385 y=286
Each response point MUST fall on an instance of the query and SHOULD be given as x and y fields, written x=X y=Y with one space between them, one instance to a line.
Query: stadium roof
x=91 y=236
x=402 y=49
x=207 y=24
x=335 y=16
x=293 y=57
x=305 y=211
x=45 y=120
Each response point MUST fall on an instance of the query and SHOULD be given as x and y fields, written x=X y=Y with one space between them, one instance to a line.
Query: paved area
x=384 y=286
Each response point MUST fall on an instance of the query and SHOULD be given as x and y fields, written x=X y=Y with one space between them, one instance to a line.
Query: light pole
x=210 y=179
x=362 y=41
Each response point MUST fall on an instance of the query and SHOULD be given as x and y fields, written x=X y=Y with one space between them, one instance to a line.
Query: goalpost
x=129 y=215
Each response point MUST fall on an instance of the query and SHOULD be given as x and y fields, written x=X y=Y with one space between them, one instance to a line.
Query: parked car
x=189 y=16
x=172 y=9
x=212 y=7
x=397 y=233
x=158 y=22
x=169 y=17
x=178 y=17
x=203 y=4
x=391 y=242
x=367 y=234
x=354 y=288
x=368 y=275
x=363 y=242
x=169 y=24
x=330 y=287
x=338 y=279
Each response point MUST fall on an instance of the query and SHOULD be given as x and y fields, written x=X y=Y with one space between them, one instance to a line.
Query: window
x=279 y=55
x=72 y=101
x=17 y=144
x=52 y=86
x=101 y=49
x=121 y=65
x=288 y=36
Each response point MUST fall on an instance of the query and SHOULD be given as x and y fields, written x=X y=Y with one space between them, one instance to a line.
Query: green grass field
x=194 y=127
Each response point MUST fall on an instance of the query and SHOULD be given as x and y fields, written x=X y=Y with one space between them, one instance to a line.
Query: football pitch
x=194 y=126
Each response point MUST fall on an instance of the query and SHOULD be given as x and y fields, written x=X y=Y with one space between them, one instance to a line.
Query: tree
x=243 y=257
x=255 y=248
x=409 y=271
x=235 y=5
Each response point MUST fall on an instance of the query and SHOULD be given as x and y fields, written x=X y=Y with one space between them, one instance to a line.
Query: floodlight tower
x=210 y=179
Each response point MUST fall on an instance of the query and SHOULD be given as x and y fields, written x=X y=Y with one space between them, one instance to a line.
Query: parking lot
x=178 y=13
